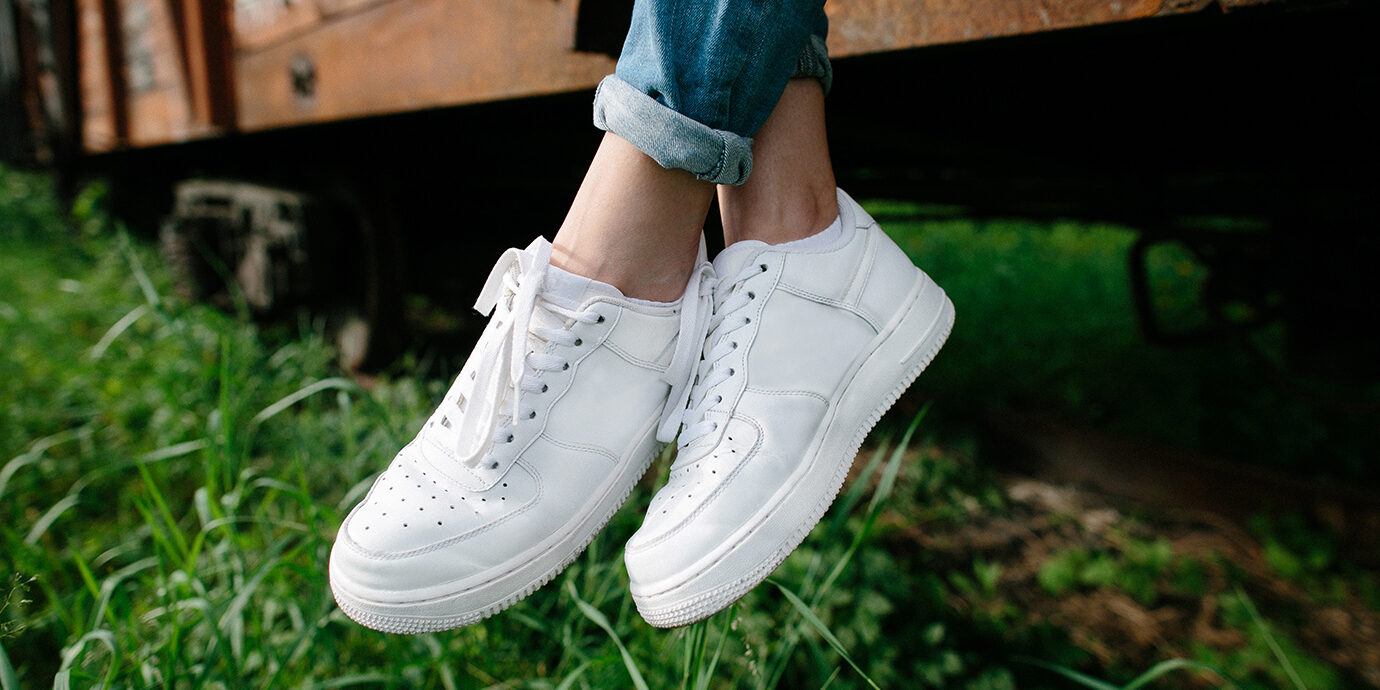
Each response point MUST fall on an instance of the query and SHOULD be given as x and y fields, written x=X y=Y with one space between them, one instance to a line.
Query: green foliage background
x=171 y=479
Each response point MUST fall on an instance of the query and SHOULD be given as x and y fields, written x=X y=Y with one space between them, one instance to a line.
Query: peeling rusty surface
x=867 y=26
x=325 y=60
x=405 y=55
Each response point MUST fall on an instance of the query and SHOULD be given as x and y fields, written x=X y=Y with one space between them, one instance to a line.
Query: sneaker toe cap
x=416 y=526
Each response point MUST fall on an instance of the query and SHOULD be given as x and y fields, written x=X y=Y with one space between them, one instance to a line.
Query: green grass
x=1046 y=322
x=171 y=479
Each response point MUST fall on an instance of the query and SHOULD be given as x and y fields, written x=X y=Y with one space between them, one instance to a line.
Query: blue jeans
x=697 y=78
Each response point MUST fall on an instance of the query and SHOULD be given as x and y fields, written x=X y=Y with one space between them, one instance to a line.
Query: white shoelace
x=696 y=309
x=729 y=299
x=507 y=367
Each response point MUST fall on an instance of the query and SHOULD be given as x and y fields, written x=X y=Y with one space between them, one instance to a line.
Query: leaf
x=1170 y=665
x=9 y=679
x=822 y=629
x=1083 y=679
x=602 y=621
x=1270 y=640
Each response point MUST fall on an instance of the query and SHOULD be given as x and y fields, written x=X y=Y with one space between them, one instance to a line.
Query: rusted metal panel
x=153 y=71
x=101 y=82
x=867 y=26
x=160 y=107
x=158 y=71
x=261 y=23
x=412 y=54
x=203 y=34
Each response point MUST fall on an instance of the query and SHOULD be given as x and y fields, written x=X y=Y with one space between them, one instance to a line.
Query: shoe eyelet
x=532 y=414
x=601 y=319
x=544 y=388
x=579 y=342
x=565 y=366
x=733 y=345
x=752 y=295
x=510 y=439
x=731 y=371
x=493 y=467
x=763 y=267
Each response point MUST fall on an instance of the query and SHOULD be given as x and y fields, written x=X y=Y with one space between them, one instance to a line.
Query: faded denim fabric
x=696 y=79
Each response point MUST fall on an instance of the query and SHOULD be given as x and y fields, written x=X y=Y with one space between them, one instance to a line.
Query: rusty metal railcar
x=375 y=113
x=105 y=75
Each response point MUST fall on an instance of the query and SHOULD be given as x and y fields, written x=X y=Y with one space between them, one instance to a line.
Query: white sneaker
x=808 y=347
x=553 y=419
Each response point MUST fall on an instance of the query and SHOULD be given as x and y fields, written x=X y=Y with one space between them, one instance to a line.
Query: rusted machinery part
x=270 y=252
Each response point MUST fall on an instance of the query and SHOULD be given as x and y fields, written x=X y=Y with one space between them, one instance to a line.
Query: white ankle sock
x=570 y=290
x=821 y=240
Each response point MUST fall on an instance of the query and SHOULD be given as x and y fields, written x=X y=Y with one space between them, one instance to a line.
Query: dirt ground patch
x=1068 y=556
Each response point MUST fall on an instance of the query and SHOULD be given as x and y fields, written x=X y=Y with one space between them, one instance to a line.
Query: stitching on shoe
x=713 y=495
x=597 y=450
x=630 y=359
x=868 y=258
x=794 y=393
x=829 y=301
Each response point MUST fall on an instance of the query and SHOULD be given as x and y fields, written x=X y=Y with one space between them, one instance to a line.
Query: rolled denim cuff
x=814 y=62
x=670 y=138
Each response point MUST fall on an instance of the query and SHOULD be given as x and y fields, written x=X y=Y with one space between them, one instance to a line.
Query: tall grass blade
x=36 y=451
x=809 y=615
x=1270 y=640
x=137 y=268
x=47 y=519
x=844 y=506
x=832 y=677
x=334 y=383
x=72 y=653
x=176 y=450
x=371 y=679
x=120 y=327
x=9 y=679
x=603 y=622
x=885 y=486
x=708 y=673
x=569 y=681
x=108 y=585
x=247 y=590
x=1154 y=672
x=1083 y=679
x=161 y=506
x=692 y=651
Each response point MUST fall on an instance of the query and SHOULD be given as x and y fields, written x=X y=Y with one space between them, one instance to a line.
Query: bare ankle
x=774 y=219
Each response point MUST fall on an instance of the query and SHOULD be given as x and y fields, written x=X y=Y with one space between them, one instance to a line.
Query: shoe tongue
x=565 y=289
x=568 y=291
x=734 y=257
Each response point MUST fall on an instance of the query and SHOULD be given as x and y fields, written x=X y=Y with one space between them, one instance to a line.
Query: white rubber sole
x=510 y=584
x=898 y=354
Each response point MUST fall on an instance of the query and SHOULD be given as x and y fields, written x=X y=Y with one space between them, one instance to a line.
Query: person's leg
x=694 y=83
x=820 y=322
x=696 y=79
x=791 y=193
x=634 y=224
x=560 y=408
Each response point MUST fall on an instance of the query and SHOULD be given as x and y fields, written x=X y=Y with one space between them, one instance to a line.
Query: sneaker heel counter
x=891 y=276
